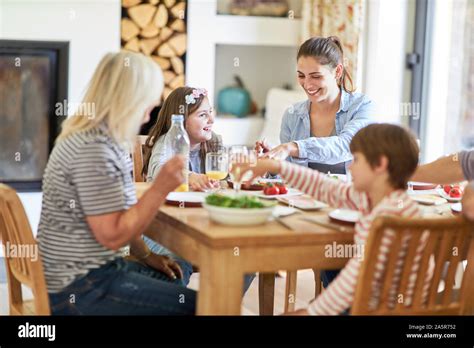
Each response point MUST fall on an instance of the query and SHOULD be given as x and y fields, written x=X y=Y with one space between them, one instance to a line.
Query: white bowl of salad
x=238 y=211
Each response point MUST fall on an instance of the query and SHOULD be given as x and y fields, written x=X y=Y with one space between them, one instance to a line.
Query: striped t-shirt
x=87 y=174
x=339 y=295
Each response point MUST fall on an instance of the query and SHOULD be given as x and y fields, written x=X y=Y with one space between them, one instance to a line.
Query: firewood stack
x=157 y=28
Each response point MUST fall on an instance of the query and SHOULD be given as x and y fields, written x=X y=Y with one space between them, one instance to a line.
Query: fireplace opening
x=33 y=79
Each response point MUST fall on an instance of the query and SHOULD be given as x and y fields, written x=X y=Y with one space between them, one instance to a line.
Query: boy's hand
x=260 y=168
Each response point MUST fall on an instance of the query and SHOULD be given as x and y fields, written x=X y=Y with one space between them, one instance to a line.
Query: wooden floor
x=304 y=294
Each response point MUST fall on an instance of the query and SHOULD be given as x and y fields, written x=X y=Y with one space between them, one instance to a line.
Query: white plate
x=238 y=216
x=291 y=193
x=456 y=207
x=187 y=197
x=303 y=203
x=428 y=199
x=447 y=197
x=281 y=211
x=345 y=215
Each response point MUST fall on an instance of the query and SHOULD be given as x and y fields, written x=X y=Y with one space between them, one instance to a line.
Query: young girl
x=198 y=120
x=385 y=157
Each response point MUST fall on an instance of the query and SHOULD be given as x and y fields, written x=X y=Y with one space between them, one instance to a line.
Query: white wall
x=91 y=26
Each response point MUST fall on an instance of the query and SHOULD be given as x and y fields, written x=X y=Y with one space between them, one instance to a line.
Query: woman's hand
x=164 y=264
x=200 y=182
x=283 y=151
x=170 y=175
x=261 y=146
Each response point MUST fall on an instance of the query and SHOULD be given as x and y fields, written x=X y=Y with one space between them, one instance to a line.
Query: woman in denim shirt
x=316 y=132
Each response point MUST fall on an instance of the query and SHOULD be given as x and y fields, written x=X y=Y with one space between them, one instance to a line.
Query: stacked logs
x=157 y=28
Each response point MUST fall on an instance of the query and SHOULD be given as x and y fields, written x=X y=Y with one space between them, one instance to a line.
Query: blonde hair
x=123 y=87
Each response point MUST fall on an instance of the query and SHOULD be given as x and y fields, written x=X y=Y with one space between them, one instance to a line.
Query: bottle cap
x=175 y=118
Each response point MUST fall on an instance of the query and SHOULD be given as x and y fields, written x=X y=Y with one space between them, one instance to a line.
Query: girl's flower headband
x=191 y=98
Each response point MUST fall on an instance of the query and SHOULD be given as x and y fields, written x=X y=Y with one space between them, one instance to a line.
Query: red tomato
x=447 y=188
x=455 y=192
x=283 y=189
x=271 y=190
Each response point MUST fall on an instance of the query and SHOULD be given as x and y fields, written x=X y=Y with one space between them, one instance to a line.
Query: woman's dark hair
x=175 y=104
x=327 y=51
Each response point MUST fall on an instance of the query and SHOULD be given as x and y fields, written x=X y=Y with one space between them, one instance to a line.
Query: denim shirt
x=354 y=113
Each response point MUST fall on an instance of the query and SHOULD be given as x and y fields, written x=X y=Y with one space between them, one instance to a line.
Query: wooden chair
x=449 y=241
x=15 y=231
x=137 y=157
x=290 y=289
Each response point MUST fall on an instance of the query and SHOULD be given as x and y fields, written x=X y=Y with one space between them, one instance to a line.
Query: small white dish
x=239 y=216
x=456 y=207
x=303 y=203
x=345 y=215
x=443 y=194
x=428 y=199
x=281 y=211
x=291 y=193
x=187 y=197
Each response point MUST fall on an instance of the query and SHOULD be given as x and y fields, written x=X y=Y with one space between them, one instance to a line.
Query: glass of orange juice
x=217 y=165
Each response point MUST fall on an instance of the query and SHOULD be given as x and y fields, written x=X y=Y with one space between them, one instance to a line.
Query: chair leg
x=317 y=282
x=290 y=291
x=266 y=293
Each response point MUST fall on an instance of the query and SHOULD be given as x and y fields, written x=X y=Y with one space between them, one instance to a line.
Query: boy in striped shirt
x=385 y=157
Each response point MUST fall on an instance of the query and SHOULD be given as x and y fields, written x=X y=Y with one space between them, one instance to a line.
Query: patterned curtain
x=342 y=18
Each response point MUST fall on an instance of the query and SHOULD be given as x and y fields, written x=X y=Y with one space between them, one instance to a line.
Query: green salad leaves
x=246 y=202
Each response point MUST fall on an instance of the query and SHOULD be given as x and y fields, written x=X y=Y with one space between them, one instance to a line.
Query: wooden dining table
x=224 y=254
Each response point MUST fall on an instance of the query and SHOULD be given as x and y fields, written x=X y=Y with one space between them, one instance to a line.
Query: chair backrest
x=22 y=259
x=137 y=157
x=443 y=244
x=277 y=102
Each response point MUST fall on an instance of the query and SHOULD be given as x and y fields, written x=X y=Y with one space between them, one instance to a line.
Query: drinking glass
x=217 y=165
x=238 y=155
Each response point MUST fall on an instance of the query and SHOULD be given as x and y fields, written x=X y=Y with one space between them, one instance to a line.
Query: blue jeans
x=186 y=267
x=328 y=276
x=123 y=287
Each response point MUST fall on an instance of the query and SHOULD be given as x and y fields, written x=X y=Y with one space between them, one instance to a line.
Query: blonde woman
x=90 y=209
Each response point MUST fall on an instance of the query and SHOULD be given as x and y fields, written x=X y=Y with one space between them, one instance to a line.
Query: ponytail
x=328 y=51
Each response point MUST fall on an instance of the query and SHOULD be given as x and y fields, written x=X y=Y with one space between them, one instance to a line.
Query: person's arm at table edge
x=468 y=201
x=116 y=229
x=445 y=170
